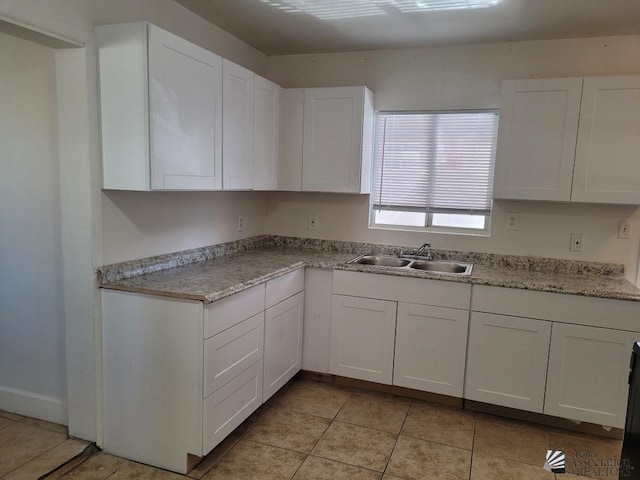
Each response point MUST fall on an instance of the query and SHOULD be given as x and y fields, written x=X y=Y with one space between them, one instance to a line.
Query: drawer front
x=231 y=405
x=225 y=313
x=420 y=291
x=284 y=287
x=231 y=352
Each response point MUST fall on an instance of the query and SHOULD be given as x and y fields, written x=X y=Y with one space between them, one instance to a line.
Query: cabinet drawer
x=283 y=287
x=231 y=352
x=231 y=405
x=230 y=311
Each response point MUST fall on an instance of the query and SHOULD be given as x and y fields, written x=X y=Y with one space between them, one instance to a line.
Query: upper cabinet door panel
x=266 y=123
x=237 y=114
x=607 y=167
x=185 y=94
x=536 y=139
x=332 y=139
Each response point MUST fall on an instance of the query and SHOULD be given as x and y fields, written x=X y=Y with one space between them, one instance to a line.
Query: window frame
x=429 y=227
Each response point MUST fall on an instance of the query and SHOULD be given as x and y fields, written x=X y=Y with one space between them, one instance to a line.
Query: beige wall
x=454 y=77
x=134 y=226
x=32 y=353
x=97 y=227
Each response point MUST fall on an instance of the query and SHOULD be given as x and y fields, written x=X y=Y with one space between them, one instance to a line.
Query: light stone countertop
x=212 y=279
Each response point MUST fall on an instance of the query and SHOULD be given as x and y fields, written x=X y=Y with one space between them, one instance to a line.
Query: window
x=434 y=171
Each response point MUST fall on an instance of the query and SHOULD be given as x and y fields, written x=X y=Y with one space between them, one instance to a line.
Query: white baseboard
x=33 y=405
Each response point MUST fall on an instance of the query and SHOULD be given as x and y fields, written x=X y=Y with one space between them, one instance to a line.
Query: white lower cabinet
x=588 y=374
x=429 y=342
x=179 y=376
x=283 y=343
x=409 y=332
x=362 y=338
x=588 y=343
x=507 y=361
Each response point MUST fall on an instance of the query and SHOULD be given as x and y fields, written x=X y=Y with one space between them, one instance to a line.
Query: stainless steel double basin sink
x=416 y=263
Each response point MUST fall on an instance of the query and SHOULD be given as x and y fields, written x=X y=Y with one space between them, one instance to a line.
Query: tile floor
x=316 y=430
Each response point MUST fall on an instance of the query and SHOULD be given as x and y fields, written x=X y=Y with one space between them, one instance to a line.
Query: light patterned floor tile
x=316 y=468
x=484 y=467
x=355 y=445
x=441 y=424
x=518 y=441
x=415 y=459
x=131 y=470
x=381 y=412
x=255 y=461
x=290 y=430
x=314 y=398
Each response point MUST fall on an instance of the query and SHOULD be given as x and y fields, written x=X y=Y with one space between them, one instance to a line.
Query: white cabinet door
x=266 y=133
x=338 y=128
x=185 y=102
x=161 y=110
x=282 y=343
x=607 y=162
x=507 y=361
x=362 y=338
x=588 y=374
x=537 y=139
x=237 y=127
x=430 y=346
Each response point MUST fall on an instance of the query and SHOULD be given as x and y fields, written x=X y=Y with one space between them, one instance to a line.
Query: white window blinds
x=435 y=162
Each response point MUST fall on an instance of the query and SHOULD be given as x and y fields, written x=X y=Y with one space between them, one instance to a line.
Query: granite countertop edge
x=209 y=280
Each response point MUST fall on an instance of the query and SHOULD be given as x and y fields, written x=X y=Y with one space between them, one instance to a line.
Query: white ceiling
x=280 y=27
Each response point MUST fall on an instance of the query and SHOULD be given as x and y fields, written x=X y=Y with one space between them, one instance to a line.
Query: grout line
x=398 y=437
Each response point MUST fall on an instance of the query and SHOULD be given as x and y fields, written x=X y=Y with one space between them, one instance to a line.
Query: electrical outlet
x=624 y=229
x=513 y=221
x=313 y=222
x=240 y=223
x=576 y=242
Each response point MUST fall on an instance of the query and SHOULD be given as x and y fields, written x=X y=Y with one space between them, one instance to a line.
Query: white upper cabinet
x=338 y=139
x=266 y=125
x=570 y=139
x=237 y=127
x=537 y=138
x=161 y=106
x=607 y=166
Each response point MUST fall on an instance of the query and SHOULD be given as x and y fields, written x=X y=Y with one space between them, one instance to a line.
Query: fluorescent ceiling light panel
x=339 y=9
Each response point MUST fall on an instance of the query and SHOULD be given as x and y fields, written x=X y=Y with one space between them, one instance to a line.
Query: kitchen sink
x=415 y=263
x=381 y=260
x=442 y=267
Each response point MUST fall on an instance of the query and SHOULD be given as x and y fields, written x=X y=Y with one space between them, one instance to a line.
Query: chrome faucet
x=420 y=251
